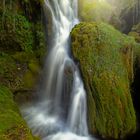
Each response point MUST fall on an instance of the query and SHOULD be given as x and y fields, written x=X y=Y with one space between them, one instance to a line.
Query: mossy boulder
x=12 y=126
x=106 y=61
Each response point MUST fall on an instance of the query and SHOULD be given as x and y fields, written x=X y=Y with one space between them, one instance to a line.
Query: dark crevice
x=136 y=101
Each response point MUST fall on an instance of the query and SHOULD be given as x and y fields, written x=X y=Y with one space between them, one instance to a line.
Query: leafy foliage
x=15 y=31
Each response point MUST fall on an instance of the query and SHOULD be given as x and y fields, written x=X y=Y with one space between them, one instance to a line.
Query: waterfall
x=60 y=114
x=136 y=12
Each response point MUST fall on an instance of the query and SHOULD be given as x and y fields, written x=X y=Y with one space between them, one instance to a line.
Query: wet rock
x=106 y=62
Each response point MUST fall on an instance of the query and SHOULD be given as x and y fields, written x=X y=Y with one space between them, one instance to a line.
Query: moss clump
x=106 y=62
x=21 y=41
x=23 y=57
x=15 y=31
x=19 y=71
x=9 y=72
x=12 y=126
x=21 y=38
x=34 y=67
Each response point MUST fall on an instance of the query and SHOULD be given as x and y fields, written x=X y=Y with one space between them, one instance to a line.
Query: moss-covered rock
x=19 y=72
x=10 y=74
x=21 y=26
x=135 y=32
x=106 y=62
x=22 y=44
x=12 y=126
x=15 y=30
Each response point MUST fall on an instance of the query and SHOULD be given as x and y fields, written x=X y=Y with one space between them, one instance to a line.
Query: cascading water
x=60 y=114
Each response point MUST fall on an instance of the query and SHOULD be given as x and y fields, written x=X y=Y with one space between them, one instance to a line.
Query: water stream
x=60 y=113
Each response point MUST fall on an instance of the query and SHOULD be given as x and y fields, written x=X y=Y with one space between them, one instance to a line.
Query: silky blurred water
x=61 y=112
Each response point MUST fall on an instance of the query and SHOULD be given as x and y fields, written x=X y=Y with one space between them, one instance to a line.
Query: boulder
x=106 y=62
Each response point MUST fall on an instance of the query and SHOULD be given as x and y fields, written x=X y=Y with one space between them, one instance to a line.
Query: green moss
x=31 y=75
x=29 y=79
x=34 y=67
x=12 y=126
x=40 y=49
x=21 y=45
x=9 y=71
x=21 y=26
x=135 y=32
x=106 y=62
x=19 y=71
x=23 y=57
x=15 y=31
x=135 y=35
x=21 y=49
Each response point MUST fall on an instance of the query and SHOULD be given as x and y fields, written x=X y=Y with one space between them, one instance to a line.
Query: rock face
x=22 y=45
x=106 y=62
x=130 y=15
x=12 y=126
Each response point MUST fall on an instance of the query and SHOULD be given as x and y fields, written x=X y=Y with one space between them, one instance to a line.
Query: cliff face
x=22 y=46
x=122 y=14
x=22 y=43
x=106 y=61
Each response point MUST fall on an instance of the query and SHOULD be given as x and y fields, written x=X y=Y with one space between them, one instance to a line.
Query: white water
x=60 y=114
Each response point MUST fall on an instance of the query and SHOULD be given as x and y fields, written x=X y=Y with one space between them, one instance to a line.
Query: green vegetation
x=19 y=71
x=22 y=43
x=22 y=46
x=106 y=62
x=106 y=57
x=15 y=30
x=9 y=72
x=135 y=32
x=12 y=126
